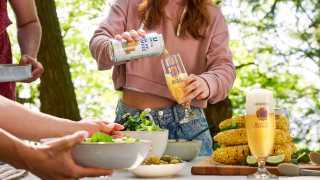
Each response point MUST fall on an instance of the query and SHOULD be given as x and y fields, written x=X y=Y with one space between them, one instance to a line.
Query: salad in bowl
x=142 y=126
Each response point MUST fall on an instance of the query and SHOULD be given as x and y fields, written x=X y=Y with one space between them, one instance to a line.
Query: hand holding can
x=135 y=45
x=132 y=35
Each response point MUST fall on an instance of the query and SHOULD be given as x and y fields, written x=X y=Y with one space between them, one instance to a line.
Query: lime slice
x=275 y=160
x=251 y=161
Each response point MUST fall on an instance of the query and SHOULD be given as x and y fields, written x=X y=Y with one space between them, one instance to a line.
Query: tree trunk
x=216 y=113
x=57 y=94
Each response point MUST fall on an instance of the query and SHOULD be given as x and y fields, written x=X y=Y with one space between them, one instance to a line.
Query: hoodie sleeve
x=108 y=28
x=220 y=73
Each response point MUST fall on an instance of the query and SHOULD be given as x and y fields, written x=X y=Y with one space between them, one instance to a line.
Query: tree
x=57 y=94
x=282 y=39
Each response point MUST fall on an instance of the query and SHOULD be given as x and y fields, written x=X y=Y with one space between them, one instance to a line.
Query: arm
x=215 y=83
x=221 y=71
x=114 y=24
x=27 y=124
x=9 y=146
x=29 y=28
x=29 y=35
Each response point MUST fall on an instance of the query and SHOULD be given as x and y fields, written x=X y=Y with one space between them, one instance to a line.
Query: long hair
x=195 y=21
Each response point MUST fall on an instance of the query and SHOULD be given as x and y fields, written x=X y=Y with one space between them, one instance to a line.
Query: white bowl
x=159 y=140
x=186 y=150
x=154 y=171
x=111 y=155
x=14 y=72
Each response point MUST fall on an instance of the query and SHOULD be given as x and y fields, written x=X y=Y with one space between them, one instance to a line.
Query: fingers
x=132 y=35
x=202 y=96
x=135 y=35
x=117 y=134
x=118 y=37
x=191 y=87
x=118 y=127
x=37 y=68
x=191 y=79
x=196 y=88
x=141 y=32
x=126 y=36
x=37 y=71
x=68 y=142
x=92 y=172
x=192 y=95
x=108 y=128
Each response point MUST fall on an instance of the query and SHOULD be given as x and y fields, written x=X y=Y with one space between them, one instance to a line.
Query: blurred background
x=275 y=43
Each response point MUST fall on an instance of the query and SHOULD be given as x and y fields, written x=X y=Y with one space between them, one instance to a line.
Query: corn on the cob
x=231 y=155
x=237 y=154
x=281 y=122
x=239 y=137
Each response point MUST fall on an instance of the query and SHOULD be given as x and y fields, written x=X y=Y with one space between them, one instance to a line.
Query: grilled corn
x=237 y=154
x=239 y=122
x=239 y=137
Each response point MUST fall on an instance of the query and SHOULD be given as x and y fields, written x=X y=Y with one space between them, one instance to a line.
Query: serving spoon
x=315 y=157
x=289 y=169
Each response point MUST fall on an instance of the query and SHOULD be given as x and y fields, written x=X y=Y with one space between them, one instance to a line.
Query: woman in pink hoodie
x=195 y=29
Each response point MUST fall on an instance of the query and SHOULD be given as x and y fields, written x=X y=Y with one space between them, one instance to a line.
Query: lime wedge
x=275 y=160
x=251 y=161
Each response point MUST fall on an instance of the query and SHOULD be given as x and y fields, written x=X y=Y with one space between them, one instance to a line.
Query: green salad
x=102 y=137
x=140 y=122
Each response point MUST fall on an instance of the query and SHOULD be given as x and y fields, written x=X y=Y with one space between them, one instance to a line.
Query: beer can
x=152 y=44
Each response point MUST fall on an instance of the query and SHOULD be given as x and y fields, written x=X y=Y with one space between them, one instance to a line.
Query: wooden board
x=209 y=167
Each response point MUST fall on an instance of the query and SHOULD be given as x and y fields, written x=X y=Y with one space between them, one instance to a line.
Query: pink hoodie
x=210 y=57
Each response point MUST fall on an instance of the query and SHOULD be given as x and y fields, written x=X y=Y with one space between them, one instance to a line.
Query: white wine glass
x=176 y=76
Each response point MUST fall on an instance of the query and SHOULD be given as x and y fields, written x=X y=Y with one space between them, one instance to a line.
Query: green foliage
x=281 y=46
x=276 y=44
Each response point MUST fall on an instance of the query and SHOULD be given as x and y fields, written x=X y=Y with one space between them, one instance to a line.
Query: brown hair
x=195 y=21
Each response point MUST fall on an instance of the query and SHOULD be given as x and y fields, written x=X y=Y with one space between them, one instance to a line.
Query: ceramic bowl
x=155 y=171
x=186 y=150
x=159 y=140
x=111 y=155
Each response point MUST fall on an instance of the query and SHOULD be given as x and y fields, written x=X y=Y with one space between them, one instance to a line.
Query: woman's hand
x=195 y=88
x=132 y=35
x=54 y=160
x=93 y=126
x=37 y=68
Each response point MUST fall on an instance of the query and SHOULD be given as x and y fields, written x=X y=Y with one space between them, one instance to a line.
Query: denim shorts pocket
x=123 y=109
x=193 y=127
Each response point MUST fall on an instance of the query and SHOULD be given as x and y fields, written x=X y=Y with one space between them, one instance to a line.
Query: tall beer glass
x=260 y=126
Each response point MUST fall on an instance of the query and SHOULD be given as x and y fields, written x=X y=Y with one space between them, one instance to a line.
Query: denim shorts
x=169 y=118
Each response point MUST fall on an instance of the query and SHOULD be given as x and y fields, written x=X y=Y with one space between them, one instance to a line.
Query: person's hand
x=93 y=126
x=53 y=160
x=37 y=68
x=132 y=35
x=195 y=88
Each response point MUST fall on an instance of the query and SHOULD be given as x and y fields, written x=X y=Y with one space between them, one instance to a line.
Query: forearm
x=220 y=79
x=100 y=50
x=11 y=149
x=29 y=38
x=27 y=124
x=112 y=25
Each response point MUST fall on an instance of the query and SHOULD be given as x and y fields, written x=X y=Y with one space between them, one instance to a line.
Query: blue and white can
x=152 y=44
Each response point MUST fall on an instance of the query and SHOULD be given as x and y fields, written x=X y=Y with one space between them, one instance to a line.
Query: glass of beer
x=260 y=127
x=176 y=76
